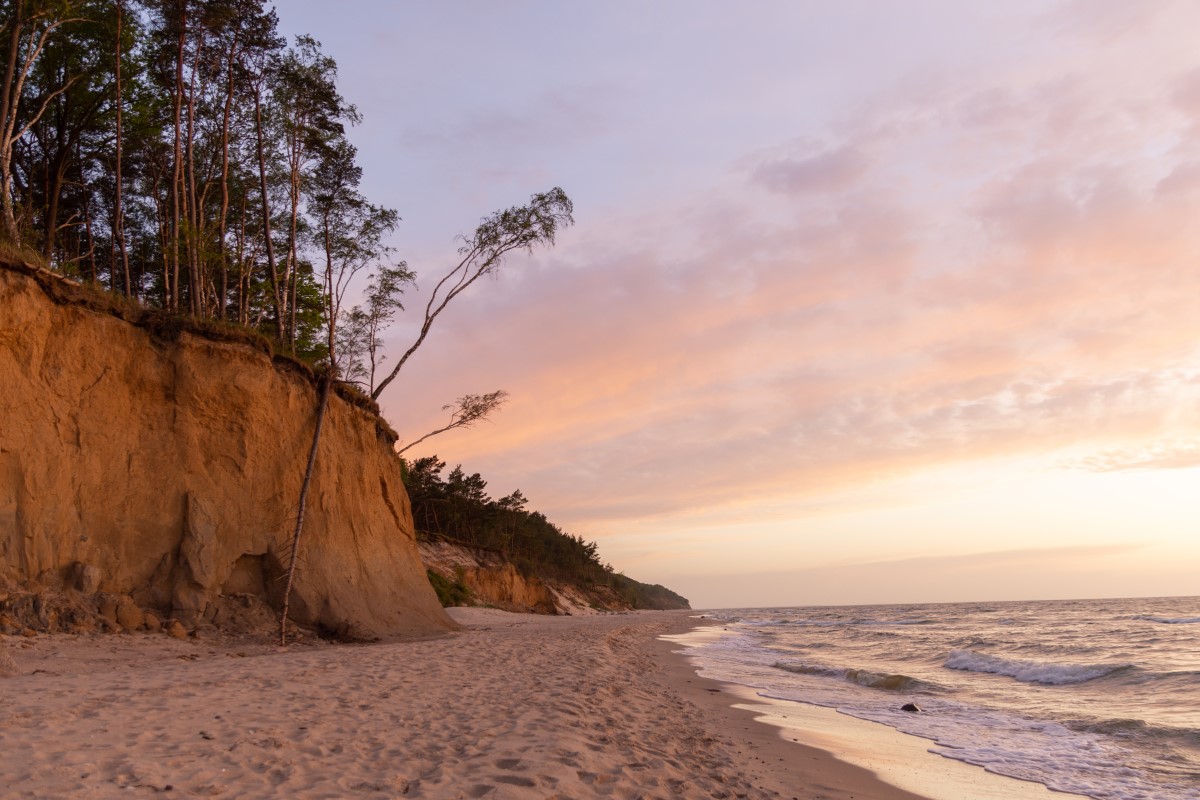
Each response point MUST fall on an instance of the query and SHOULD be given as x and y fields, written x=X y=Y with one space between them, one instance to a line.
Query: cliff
x=165 y=466
x=485 y=579
x=472 y=576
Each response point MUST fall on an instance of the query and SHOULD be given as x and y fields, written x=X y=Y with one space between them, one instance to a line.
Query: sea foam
x=1044 y=672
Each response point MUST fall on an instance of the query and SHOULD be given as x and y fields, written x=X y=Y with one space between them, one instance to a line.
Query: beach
x=514 y=705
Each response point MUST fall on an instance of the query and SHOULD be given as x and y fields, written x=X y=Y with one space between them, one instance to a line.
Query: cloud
x=1103 y=20
x=1166 y=454
x=975 y=269
x=554 y=117
x=832 y=170
x=1042 y=573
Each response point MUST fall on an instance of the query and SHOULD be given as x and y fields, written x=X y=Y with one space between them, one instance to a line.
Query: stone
x=87 y=578
x=176 y=630
x=911 y=708
x=152 y=622
x=106 y=607
x=129 y=616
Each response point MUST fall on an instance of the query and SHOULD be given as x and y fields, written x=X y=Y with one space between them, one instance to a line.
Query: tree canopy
x=183 y=153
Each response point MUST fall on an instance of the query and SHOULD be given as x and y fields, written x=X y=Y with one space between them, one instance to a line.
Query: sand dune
x=514 y=706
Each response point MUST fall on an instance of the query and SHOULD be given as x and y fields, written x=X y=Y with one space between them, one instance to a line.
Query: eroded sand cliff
x=168 y=469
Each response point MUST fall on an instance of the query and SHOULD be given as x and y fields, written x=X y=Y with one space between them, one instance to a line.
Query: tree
x=465 y=412
x=75 y=75
x=241 y=26
x=348 y=230
x=362 y=345
x=518 y=228
x=305 y=89
x=30 y=24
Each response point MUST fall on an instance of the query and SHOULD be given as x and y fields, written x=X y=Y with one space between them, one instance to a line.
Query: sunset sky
x=866 y=301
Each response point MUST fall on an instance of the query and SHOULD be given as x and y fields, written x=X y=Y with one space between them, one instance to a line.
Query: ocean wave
x=803 y=622
x=1042 y=672
x=1170 y=620
x=862 y=677
x=1138 y=729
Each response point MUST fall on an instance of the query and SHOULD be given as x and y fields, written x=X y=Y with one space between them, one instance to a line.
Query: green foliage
x=458 y=509
x=449 y=593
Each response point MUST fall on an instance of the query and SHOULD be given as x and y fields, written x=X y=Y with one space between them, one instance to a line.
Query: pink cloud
x=828 y=171
x=1004 y=274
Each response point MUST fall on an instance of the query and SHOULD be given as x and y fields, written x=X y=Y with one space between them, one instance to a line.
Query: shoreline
x=513 y=706
x=896 y=760
x=790 y=762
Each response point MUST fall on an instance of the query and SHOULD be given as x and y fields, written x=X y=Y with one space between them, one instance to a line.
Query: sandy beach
x=513 y=706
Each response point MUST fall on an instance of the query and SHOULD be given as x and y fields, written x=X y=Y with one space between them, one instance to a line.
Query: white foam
x=1034 y=750
x=1043 y=672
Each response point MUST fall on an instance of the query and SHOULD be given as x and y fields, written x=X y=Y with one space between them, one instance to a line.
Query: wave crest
x=1043 y=672
x=862 y=677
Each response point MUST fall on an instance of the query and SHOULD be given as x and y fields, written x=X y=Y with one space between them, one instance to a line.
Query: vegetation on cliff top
x=458 y=509
x=183 y=153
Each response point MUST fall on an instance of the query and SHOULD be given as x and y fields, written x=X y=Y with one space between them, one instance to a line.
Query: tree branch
x=468 y=410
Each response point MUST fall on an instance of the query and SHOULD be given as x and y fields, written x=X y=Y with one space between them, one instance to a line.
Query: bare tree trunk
x=56 y=176
x=177 y=177
x=243 y=307
x=118 y=208
x=293 y=259
x=161 y=228
x=326 y=384
x=331 y=304
x=196 y=277
x=266 y=214
x=91 y=242
x=222 y=255
x=10 y=69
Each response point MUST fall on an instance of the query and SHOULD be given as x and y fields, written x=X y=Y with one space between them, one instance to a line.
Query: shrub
x=450 y=593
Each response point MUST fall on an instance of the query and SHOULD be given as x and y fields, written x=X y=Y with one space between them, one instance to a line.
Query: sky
x=865 y=302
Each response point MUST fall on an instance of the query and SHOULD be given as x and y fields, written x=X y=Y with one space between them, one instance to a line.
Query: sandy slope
x=514 y=706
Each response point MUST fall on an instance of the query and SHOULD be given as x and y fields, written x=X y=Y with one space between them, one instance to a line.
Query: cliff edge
x=167 y=468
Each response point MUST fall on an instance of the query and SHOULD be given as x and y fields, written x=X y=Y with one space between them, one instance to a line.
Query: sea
x=1095 y=697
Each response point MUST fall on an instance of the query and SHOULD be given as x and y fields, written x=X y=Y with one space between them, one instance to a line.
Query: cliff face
x=170 y=471
x=488 y=579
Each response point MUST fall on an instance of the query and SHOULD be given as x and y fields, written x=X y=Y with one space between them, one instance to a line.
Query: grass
x=17 y=254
